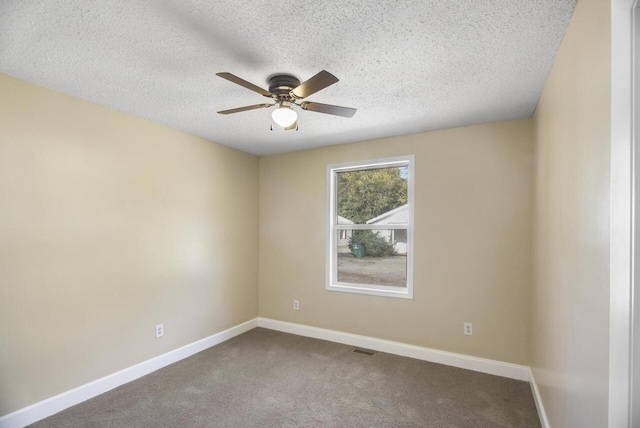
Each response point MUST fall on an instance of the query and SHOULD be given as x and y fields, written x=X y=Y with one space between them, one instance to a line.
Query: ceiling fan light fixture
x=284 y=90
x=284 y=116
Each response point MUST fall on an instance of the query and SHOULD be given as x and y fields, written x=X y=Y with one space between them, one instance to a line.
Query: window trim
x=331 y=283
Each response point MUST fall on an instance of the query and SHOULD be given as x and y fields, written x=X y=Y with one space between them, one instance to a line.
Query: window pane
x=376 y=257
x=372 y=195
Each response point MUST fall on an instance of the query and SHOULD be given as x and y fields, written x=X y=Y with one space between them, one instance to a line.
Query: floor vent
x=362 y=351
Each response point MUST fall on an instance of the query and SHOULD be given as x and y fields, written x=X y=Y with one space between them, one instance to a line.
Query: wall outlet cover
x=468 y=329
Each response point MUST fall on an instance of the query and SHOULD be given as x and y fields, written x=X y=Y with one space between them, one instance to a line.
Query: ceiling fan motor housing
x=282 y=84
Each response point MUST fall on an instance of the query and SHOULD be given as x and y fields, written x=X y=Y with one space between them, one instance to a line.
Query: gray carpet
x=265 y=378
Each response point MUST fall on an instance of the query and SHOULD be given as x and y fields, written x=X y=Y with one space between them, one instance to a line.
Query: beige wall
x=109 y=225
x=472 y=241
x=570 y=291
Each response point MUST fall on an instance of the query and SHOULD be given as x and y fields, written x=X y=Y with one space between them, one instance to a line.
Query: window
x=370 y=227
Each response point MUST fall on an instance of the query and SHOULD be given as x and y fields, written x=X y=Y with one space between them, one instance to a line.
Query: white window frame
x=333 y=227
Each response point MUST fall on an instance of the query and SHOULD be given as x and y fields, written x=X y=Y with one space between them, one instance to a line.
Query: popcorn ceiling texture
x=407 y=66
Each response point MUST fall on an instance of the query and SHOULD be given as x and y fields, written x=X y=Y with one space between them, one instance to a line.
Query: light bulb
x=284 y=116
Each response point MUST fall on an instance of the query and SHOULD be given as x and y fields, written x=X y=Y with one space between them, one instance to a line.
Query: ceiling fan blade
x=313 y=85
x=239 y=109
x=328 y=109
x=238 y=81
x=294 y=125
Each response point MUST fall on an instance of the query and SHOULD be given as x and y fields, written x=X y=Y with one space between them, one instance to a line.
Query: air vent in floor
x=363 y=352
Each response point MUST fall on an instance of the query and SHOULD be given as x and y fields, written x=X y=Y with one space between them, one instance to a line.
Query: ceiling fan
x=286 y=91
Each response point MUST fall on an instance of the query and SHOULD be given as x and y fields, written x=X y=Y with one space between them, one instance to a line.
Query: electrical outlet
x=159 y=330
x=468 y=329
x=296 y=305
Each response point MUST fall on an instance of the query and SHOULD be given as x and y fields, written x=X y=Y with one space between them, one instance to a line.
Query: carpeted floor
x=265 y=378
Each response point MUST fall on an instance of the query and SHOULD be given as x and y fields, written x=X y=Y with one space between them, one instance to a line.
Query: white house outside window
x=370 y=227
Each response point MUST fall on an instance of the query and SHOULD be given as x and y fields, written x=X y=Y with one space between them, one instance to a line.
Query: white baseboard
x=538 y=399
x=498 y=368
x=50 y=406
x=55 y=404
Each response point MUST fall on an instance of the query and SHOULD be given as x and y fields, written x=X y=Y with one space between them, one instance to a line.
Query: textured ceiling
x=407 y=66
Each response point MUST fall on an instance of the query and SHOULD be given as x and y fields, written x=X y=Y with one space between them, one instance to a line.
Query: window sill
x=399 y=293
